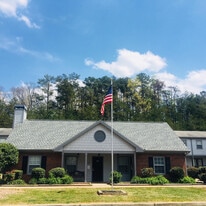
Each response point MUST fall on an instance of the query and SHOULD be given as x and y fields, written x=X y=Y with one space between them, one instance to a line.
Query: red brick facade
x=53 y=159
x=176 y=160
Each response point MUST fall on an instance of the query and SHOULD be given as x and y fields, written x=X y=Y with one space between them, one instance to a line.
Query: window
x=71 y=164
x=99 y=136
x=34 y=161
x=159 y=165
x=199 y=144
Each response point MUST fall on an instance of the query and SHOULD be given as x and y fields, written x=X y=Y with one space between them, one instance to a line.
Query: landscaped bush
x=17 y=182
x=203 y=177
x=117 y=176
x=175 y=174
x=42 y=180
x=54 y=180
x=147 y=172
x=187 y=179
x=139 y=180
x=33 y=181
x=2 y=182
x=57 y=172
x=202 y=170
x=38 y=173
x=8 y=177
x=193 y=172
x=17 y=174
x=158 y=180
x=67 y=179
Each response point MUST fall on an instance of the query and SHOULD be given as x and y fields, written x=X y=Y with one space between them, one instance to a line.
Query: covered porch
x=97 y=167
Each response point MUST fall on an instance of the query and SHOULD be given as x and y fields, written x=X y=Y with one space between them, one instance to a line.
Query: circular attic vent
x=99 y=136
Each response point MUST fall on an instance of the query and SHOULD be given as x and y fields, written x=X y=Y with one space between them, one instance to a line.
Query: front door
x=97 y=169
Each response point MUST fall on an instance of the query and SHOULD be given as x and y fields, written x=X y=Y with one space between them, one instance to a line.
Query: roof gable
x=86 y=142
x=93 y=126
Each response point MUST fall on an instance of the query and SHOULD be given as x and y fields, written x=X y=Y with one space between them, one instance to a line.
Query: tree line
x=143 y=98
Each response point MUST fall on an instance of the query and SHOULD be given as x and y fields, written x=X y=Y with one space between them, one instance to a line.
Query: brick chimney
x=20 y=114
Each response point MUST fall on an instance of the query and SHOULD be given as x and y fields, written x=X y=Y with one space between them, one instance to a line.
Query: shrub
x=17 y=174
x=54 y=180
x=203 y=177
x=57 y=172
x=147 y=172
x=117 y=176
x=42 y=180
x=175 y=174
x=193 y=172
x=158 y=180
x=38 y=173
x=202 y=170
x=2 y=182
x=187 y=179
x=136 y=180
x=9 y=176
x=8 y=155
x=33 y=181
x=67 y=179
x=17 y=182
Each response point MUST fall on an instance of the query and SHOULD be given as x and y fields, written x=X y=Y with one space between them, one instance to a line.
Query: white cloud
x=13 y=8
x=129 y=63
x=194 y=82
x=16 y=47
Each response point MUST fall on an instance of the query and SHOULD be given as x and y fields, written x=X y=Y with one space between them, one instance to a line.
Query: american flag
x=107 y=99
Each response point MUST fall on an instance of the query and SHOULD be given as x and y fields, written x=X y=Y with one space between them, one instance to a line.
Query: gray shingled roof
x=4 y=133
x=151 y=136
x=48 y=135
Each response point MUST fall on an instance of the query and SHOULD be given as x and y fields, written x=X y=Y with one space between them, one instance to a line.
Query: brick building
x=86 y=149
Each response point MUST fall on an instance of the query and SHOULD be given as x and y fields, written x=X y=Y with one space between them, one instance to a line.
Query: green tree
x=67 y=95
x=47 y=85
x=8 y=156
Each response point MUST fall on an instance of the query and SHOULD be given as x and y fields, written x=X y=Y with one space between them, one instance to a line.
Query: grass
x=68 y=195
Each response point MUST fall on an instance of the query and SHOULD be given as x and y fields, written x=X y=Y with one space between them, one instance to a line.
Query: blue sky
x=163 y=38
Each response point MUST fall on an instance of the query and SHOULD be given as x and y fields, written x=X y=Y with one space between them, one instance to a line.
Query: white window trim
x=199 y=144
x=29 y=163
x=162 y=165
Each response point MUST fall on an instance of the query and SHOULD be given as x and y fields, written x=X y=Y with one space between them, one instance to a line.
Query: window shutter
x=24 y=164
x=167 y=164
x=43 y=162
x=150 y=159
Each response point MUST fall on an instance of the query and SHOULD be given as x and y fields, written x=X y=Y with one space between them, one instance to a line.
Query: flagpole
x=112 y=152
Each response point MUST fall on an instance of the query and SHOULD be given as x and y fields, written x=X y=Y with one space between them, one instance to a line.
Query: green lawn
x=68 y=195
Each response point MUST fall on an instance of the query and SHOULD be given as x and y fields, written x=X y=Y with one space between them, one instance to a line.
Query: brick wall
x=176 y=160
x=53 y=160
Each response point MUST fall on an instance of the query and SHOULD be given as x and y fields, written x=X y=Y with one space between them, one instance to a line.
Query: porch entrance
x=97 y=169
